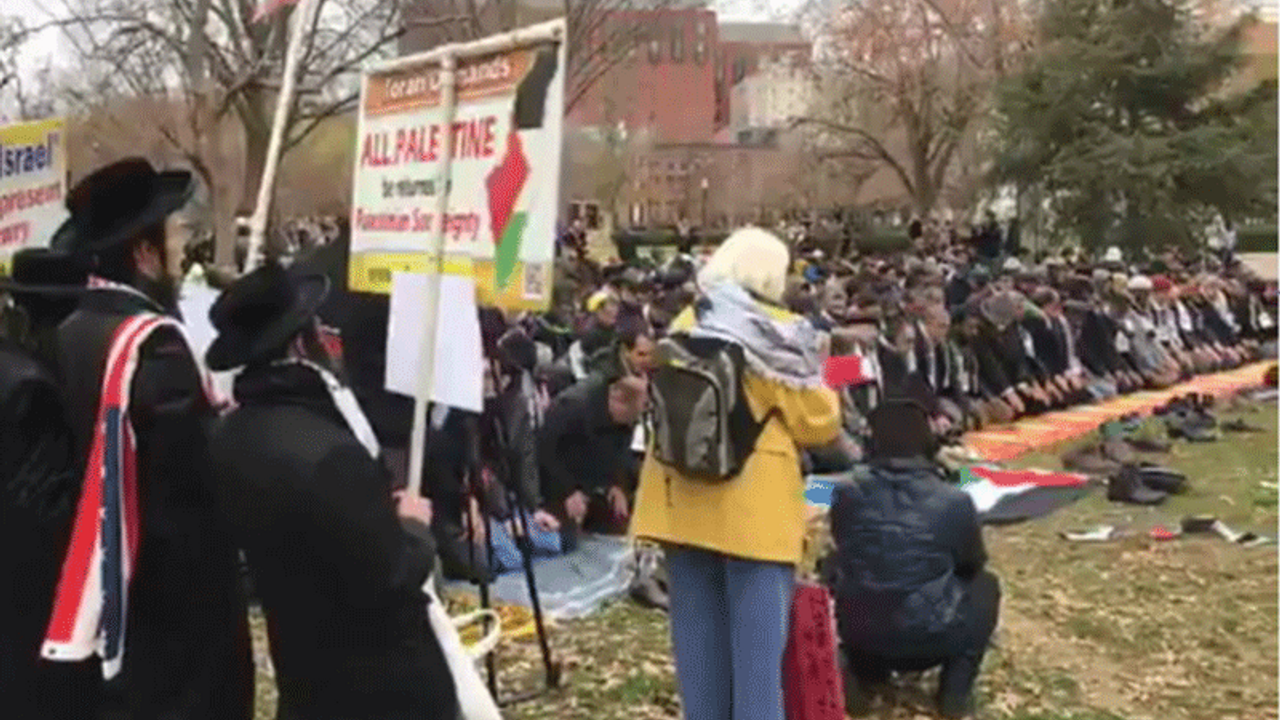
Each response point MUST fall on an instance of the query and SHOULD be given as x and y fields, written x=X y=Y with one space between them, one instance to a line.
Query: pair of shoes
x=1149 y=445
x=1089 y=461
x=1127 y=486
x=1195 y=425
x=1240 y=426
x=1174 y=406
x=1117 y=450
x=1162 y=479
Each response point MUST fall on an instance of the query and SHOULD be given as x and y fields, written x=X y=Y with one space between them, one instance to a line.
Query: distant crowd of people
x=680 y=401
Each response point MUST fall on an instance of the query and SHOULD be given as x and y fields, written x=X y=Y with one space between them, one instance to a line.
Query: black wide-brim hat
x=40 y=271
x=261 y=313
x=115 y=202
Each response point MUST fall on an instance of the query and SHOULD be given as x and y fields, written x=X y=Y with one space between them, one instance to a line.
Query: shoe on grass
x=1162 y=479
x=1240 y=426
x=1149 y=445
x=1126 y=486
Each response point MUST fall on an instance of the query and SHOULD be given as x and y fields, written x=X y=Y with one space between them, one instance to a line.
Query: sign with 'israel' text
x=33 y=184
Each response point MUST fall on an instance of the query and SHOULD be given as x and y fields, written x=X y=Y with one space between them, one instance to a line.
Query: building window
x=655 y=48
x=739 y=69
x=677 y=44
x=701 y=29
x=700 y=52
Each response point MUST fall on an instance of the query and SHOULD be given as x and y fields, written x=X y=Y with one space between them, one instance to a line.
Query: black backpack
x=702 y=422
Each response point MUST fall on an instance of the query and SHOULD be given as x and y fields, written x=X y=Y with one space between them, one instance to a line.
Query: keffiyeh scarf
x=777 y=346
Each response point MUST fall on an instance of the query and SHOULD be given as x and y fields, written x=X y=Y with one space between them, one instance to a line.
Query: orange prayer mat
x=1010 y=441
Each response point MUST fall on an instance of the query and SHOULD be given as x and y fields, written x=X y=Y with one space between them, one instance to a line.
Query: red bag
x=811 y=683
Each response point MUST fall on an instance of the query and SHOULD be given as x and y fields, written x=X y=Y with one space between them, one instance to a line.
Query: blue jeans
x=729 y=624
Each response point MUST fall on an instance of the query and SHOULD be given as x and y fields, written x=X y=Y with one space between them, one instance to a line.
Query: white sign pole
x=303 y=18
x=427 y=373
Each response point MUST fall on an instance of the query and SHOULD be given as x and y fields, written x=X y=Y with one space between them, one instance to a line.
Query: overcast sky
x=51 y=44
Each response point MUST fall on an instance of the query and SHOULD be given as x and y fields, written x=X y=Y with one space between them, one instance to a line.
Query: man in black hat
x=338 y=560
x=38 y=484
x=186 y=653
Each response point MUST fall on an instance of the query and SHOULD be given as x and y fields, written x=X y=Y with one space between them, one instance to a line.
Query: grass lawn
x=1134 y=629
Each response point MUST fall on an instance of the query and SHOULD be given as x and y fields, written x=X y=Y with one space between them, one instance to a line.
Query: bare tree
x=24 y=91
x=905 y=84
x=217 y=72
x=601 y=33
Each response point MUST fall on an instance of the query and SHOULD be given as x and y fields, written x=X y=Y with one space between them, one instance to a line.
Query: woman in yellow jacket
x=732 y=546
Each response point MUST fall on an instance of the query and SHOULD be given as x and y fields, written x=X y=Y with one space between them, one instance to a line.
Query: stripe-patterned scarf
x=92 y=599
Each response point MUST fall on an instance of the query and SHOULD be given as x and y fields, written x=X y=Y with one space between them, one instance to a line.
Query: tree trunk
x=256 y=125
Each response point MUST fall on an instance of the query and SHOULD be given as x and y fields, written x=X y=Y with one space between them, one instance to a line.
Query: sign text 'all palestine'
x=504 y=172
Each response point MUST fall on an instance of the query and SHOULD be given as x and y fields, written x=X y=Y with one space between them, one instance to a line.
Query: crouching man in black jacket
x=911 y=592
x=338 y=561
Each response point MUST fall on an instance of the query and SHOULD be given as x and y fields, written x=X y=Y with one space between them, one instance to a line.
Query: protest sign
x=504 y=173
x=33 y=184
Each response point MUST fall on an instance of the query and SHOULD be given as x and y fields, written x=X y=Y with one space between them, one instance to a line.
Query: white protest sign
x=33 y=184
x=459 y=380
x=507 y=133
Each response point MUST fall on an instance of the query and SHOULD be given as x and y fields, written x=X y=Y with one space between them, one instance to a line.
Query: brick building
x=677 y=78
x=744 y=48
x=666 y=80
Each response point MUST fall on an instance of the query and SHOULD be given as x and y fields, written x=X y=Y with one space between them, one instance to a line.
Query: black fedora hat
x=40 y=271
x=260 y=313
x=116 y=201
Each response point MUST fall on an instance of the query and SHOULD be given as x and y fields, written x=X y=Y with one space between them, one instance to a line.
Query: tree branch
x=877 y=148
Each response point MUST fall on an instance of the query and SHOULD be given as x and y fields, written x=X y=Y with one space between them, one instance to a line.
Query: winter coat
x=187 y=648
x=38 y=489
x=759 y=515
x=905 y=544
x=340 y=575
x=580 y=447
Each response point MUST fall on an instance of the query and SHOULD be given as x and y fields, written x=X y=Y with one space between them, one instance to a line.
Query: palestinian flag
x=845 y=370
x=1008 y=496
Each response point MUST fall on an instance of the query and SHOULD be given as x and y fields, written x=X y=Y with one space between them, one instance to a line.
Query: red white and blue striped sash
x=91 y=603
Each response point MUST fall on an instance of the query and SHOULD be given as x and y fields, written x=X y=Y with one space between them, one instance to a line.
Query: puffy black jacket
x=905 y=543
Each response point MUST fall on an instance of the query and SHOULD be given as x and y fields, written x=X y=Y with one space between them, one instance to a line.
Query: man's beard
x=163 y=291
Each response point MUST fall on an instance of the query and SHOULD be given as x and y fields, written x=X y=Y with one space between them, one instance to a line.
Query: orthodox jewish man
x=38 y=484
x=149 y=595
x=338 y=559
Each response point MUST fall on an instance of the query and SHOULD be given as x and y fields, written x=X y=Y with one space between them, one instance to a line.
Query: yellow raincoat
x=759 y=515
